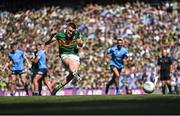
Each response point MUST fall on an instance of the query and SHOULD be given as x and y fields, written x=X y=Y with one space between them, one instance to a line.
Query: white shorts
x=73 y=56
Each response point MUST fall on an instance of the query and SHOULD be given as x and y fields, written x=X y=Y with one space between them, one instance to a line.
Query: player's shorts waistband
x=112 y=66
x=42 y=71
x=18 y=72
x=73 y=56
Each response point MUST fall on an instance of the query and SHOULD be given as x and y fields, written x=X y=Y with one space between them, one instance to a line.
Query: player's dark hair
x=14 y=43
x=73 y=25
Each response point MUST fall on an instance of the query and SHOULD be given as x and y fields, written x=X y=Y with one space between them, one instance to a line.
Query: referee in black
x=164 y=70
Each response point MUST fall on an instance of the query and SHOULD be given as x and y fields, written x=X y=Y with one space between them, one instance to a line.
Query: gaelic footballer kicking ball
x=148 y=87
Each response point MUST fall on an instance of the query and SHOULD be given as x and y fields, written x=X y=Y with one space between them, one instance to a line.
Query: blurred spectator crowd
x=146 y=29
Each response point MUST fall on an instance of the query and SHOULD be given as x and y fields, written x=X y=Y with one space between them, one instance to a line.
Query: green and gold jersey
x=68 y=46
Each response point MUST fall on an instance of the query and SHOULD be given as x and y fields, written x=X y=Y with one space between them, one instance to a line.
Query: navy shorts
x=119 y=69
x=17 y=72
x=164 y=76
x=42 y=72
x=33 y=72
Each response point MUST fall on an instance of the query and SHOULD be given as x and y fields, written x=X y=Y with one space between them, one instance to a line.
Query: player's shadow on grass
x=162 y=105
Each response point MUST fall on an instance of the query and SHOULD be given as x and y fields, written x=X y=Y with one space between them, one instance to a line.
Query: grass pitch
x=126 y=104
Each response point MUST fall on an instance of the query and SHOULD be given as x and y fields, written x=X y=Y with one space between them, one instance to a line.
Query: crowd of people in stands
x=146 y=29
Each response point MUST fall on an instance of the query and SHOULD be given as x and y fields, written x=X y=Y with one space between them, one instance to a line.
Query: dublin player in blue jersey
x=118 y=54
x=42 y=70
x=17 y=66
x=34 y=68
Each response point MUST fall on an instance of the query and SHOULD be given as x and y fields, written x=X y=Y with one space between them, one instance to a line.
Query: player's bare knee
x=13 y=80
x=24 y=80
x=35 y=80
x=12 y=83
x=73 y=68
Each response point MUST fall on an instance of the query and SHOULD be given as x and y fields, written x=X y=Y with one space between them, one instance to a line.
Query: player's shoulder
x=61 y=34
x=19 y=51
x=40 y=52
x=76 y=35
x=124 y=49
x=112 y=48
x=9 y=54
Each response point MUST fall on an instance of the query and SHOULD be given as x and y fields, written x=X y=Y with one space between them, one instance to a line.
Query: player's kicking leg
x=68 y=79
x=73 y=65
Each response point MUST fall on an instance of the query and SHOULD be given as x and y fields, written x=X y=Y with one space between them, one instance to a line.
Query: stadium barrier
x=71 y=92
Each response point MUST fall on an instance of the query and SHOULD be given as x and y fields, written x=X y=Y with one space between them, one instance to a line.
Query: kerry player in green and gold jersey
x=69 y=41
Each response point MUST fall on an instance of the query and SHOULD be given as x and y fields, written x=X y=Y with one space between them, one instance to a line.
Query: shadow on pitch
x=162 y=105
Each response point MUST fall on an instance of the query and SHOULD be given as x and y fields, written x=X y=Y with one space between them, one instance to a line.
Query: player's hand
x=53 y=32
x=29 y=66
x=33 y=56
x=79 y=40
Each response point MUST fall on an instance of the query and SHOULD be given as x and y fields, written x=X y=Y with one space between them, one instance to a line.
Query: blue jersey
x=41 y=55
x=17 y=59
x=117 y=56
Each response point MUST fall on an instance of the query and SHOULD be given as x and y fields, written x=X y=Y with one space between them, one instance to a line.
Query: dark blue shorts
x=17 y=72
x=33 y=72
x=119 y=69
x=42 y=72
x=164 y=76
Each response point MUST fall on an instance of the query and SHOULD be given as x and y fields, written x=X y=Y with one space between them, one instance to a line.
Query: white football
x=148 y=87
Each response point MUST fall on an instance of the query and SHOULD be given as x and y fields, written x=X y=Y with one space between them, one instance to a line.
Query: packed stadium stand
x=146 y=26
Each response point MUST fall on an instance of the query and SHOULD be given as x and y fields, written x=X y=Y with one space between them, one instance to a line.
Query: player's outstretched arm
x=6 y=66
x=27 y=62
x=52 y=39
x=126 y=60
x=79 y=41
x=107 y=54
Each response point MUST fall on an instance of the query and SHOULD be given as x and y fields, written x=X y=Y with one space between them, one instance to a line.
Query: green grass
x=134 y=104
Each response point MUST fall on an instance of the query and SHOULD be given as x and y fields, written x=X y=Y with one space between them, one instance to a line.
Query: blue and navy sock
x=117 y=90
